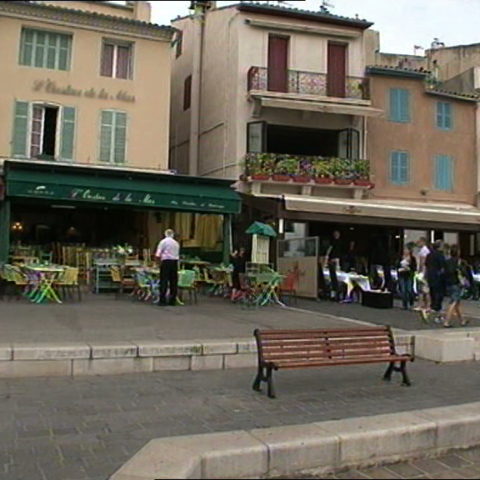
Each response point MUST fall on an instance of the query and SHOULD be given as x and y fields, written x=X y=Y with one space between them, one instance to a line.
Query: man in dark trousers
x=168 y=253
x=333 y=258
x=435 y=267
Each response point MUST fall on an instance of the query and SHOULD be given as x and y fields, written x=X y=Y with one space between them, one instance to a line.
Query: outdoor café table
x=45 y=288
x=350 y=279
x=267 y=283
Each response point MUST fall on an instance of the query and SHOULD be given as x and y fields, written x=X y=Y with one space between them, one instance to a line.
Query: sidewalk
x=87 y=427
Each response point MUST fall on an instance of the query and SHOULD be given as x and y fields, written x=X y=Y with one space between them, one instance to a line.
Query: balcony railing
x=306 y=168
x=309 y=83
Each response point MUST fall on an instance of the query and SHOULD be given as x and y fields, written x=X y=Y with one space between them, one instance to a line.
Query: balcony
x=309 y=91
x=271 y=173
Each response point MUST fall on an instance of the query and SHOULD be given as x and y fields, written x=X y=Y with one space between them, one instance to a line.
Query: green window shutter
x=20 y=130
x=106 y=135
x=65 y=43
x=40 y=39
x=120 y=137
x=68 y=133
x=26 y=49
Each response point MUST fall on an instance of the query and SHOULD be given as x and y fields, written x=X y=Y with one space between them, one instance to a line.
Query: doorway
x=277 y=63
x=336 y=70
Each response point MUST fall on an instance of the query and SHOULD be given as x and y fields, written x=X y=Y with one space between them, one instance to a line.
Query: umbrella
x=259 y=228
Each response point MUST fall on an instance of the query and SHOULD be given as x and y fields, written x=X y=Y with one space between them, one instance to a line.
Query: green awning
x=194 y=194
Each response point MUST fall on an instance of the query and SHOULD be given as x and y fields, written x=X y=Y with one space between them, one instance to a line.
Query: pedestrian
x=332 y=259
x=456 y=282
x=380 y=257
x=406 y=271
x=168 y=253
x=423 y=291
x=239 y=261
x=435 y=268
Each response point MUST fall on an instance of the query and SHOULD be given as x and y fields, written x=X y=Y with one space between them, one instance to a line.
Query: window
x=399 y=168
x=179 y=44
x=116 y=60
x=187 y=93
x=399 y=105
x=444 y=172
x=45 y=49
x=113 y=136
x=444 y=115
x=43 y=131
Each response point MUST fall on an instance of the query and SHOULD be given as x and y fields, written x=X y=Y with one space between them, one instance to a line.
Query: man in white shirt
x=422 y=285
x=168 y=253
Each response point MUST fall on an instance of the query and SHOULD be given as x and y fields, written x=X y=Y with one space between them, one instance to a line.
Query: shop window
x=113 y=136
x=187 y=93
x=43 y=131
x=443 y=172
x=44 y=49
x=399 y=105
x=116 y=60
x=399 y=168
x=444 y=115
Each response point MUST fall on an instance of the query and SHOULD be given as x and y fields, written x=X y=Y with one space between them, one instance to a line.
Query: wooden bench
x=278 y=349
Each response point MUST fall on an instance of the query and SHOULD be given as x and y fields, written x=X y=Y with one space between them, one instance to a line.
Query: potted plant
x=285 y=168
x=322 y=170
x=304 y=171
x=362 y=172
x=259 y=166
x=342 y=171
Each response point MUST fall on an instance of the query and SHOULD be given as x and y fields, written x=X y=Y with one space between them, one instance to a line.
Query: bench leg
x=388 y=374
x=271 y=390
x=258 y=379
x=403 y=370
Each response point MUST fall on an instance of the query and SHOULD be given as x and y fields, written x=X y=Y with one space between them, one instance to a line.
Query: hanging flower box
x=343 y=181
x=260 y=176
x=277 y=177
x=323 y=180
x=363 y=182
x=301 y=178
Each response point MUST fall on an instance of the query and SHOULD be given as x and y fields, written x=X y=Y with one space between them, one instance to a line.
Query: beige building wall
x=146 y=96
x=423 y=141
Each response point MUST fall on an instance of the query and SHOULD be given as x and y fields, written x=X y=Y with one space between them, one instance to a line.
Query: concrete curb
x=318 y=447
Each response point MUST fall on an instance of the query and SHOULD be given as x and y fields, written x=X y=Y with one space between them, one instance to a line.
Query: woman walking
x=455 y=281
x=406 y=272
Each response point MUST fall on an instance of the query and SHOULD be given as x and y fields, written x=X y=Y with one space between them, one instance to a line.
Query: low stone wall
x=313 y=448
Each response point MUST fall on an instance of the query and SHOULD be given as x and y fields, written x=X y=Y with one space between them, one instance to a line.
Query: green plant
x=362 y=169
x=342 y=168
x=287 y=165
x=259 y=163
x=322 y=167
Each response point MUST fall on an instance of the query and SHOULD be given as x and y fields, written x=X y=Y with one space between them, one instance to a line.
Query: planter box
x=281 y=178
x=301 y=178
x=260 y=177
x=323 y=180
x=363 y=183
x=343 y=181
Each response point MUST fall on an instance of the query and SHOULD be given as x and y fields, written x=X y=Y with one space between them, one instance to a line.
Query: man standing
x=435 y=266
x=423 y=289
x=168 y=252
x=332 y=258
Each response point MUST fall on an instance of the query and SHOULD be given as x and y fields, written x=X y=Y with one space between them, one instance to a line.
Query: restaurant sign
x=118 y=197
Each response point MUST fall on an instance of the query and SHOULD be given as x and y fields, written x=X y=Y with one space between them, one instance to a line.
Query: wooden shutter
x=106 y=135
x=277 y=63
x=20 y=130
x=36 y=138
x=123 y=62
x=40 y=39
x=187 y=93
x=256 y=136
x=336 y=70
x=63 y=52
x=399 y=168
x=106 y=68
x=404 y=105
x=179 y=44
x=26 y=51
x=444 y=115
x=443 y=172
x=120 y=134
x=68 y=133
x=399 y=105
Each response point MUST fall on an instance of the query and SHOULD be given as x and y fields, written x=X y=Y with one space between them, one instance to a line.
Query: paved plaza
x=103 y=318
x=87 y=427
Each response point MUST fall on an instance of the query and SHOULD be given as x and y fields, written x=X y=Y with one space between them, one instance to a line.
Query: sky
x=402 y=23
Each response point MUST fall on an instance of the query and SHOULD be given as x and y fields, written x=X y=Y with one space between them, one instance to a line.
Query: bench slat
x=327 y=345
x=325 y=354
x=382 y=359
x=323 y=331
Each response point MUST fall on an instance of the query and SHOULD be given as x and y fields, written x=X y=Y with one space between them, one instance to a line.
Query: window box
x=301 y=178
x=343 y=181
x=277 y=177
x=323 y=180
x=260 y=176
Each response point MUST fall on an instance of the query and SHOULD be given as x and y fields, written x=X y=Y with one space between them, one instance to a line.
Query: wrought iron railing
x=308 y=83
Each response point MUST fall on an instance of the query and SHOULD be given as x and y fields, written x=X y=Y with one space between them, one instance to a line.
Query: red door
x=277 y=63
x=337 y=56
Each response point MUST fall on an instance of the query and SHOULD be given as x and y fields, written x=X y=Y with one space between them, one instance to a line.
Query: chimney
x=141 y=10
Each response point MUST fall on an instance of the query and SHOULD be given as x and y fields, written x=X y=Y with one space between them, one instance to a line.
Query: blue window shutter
x=440 y=114
x=404 y=105
x=68 y=133
x=399 y=168
x=443 y=172
x=399 y=105
x=447 y=113
x=394 y=113
x=20 y=130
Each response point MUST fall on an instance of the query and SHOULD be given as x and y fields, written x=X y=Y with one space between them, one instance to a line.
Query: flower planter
x=362 y=183
x=343 y=181
x=260 y=177
x=323 y=180
x=301 y=178
x=281 y=178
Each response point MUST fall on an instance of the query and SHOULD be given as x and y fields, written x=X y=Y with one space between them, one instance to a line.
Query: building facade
x=84 y=109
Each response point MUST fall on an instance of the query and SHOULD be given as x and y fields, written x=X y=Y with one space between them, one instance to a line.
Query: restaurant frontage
x=50 y=208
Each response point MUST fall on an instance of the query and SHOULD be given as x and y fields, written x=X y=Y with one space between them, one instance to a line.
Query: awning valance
x=411 y=211
x=120 y=188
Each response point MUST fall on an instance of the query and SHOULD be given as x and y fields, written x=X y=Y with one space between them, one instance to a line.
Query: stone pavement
x=87 y=427
x=102 y=318
x=456 y=464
